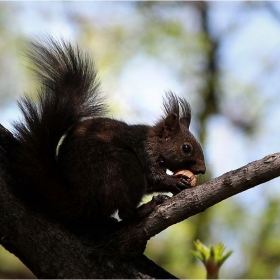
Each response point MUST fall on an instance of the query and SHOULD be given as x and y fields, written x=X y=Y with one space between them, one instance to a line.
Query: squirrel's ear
x=186 y=121
x=168 y=126
x=171 y=124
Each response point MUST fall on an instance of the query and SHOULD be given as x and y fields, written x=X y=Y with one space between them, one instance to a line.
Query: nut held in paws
x=187 y=173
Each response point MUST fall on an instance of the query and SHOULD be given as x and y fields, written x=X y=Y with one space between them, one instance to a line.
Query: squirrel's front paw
x=181 y=184
x=149 y=207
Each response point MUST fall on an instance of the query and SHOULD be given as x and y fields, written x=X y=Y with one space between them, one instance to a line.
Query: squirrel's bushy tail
x=68 y=92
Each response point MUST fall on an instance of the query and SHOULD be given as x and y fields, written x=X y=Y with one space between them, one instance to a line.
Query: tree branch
x=195 y=200
x=52 y=251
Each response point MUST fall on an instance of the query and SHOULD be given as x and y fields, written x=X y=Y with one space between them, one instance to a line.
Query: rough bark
x=51 y=251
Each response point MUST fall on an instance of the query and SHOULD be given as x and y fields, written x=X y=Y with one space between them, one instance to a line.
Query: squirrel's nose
x=201 y=169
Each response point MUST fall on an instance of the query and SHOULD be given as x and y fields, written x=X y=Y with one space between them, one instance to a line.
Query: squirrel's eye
x=186 y=148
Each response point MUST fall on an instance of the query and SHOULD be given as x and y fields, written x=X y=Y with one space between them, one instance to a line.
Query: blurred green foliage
x=230 y=74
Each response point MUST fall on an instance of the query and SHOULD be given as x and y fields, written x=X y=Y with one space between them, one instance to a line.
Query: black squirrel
x=83 y=166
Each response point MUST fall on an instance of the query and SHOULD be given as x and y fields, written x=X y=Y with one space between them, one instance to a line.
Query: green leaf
x=212 y=257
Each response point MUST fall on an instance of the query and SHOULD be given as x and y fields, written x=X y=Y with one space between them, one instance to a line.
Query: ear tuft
x=186 y=113
x=178 y=106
